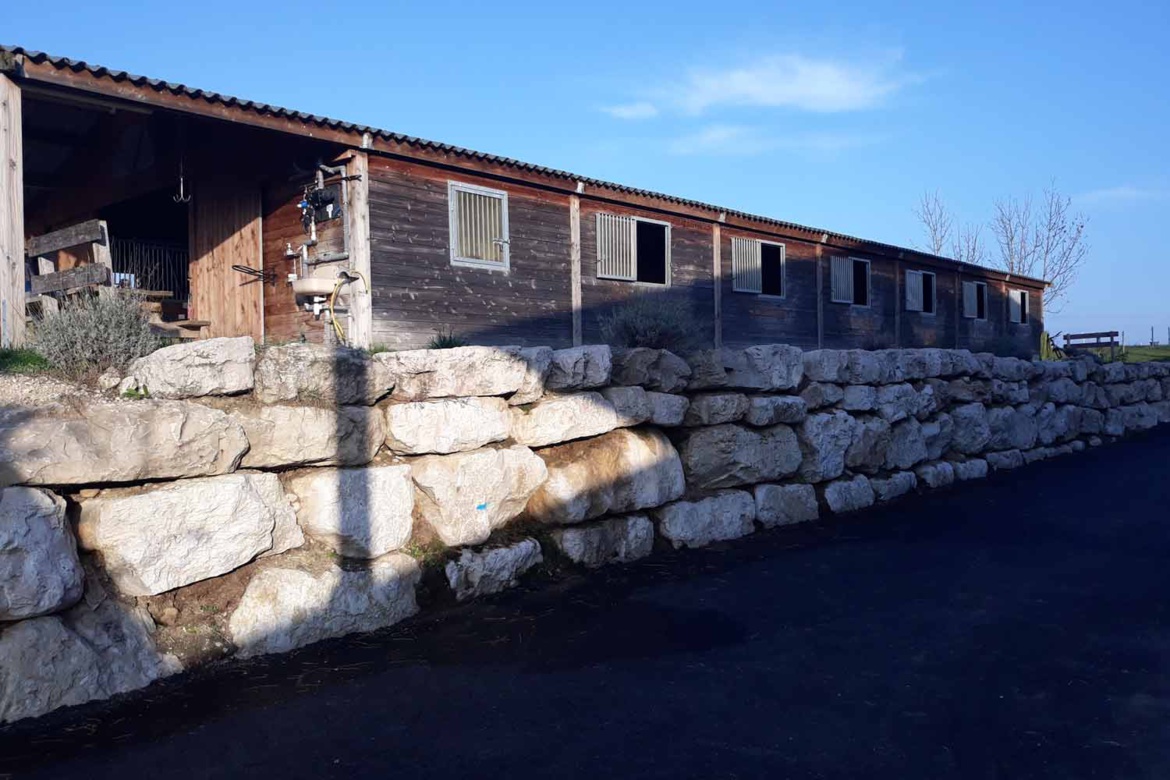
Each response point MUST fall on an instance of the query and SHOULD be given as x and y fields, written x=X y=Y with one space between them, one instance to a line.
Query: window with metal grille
x=920 y=294
x=849 y=280
x=632 y=249
x=975 y=300
x=757 y=266
x=1018 y=306
x=479 y=226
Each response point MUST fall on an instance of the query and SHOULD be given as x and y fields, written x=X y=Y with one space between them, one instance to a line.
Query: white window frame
x=760 y=244
x=1021 y=298
x=453 y=227
x=634 y=251
x=986 y=301
x=916 y=274
x=868 y=283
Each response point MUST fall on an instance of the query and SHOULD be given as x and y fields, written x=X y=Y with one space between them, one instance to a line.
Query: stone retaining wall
x=258 y=502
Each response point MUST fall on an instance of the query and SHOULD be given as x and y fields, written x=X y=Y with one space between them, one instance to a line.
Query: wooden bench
x=1100 y=340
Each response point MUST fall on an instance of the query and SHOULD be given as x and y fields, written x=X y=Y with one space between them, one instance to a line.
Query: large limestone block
x=860 y=398
x=728 y=514
x=622 y=471
x=556 y=419
x=972 y=431
x=729 y=455
x=1065 y=391
x=39 y=569
x=1007 y=459
x=283 y=436
x=1012 y=429
x=162 y=537
x=871 y=442
x=632 y=405
x=102 y=443
x=446 y=425
x=764 y=367
x=716 y=408
x=818 y=395
x=320 y=374
x=478 y=573
x=849 y=495
x=283 y=609
x=764 y=410
x=360 y=513
x=824 y=439
x=613 y=540
x=95 y=650
x=846 y=367
x=580 y=368
x=654 y=369
x=419 y=374
x=1139 y=417
x=1092 y=420
x=897 y=402
x=907 y=445
x=667 y=410
x=894 y=486
x=966 y=390
x=778 y=505
x=1011 y=369
x=938 y=434
x=707 y=371
x=538 y=362
x=465 y=496
x=975 y=468
x=222 y=366
x=936 y=475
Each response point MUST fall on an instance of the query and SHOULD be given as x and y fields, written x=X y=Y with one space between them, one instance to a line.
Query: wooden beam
x=77 y=278
x=75 y=235
x=12 y=297
x=575 y=266
x=897 y=303
x=361 y=308
x=717 y=273
x=820 y=300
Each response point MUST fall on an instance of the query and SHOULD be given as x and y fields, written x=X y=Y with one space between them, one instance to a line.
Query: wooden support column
x=820 y=298
x=361 y=308
x=11 y=216
x=575 y=266
x=898 y=303
x=958 y=306
x=717 y=269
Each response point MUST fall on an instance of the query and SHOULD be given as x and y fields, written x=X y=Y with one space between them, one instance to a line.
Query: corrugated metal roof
x=158 y=85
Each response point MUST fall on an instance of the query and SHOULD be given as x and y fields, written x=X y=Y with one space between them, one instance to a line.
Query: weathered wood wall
x=418 y=293
x=754 y=319
x=12 y=329
x=225 y=231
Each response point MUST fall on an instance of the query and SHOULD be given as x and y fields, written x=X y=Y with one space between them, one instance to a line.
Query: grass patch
x=446 y=340
x=1145 y=354
x=22 y=361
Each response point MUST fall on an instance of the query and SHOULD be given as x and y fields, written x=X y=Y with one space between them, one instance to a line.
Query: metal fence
x=150 y=265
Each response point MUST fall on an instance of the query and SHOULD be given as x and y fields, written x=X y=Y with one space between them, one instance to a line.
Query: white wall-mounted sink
x=316 y=285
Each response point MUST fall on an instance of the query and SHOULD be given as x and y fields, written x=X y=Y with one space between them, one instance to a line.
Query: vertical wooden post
x=820 y=301
x=958 y=306
x=897 y=303
x=717 y=273
x=575 y=266
x=361 y=296
x=11 y=216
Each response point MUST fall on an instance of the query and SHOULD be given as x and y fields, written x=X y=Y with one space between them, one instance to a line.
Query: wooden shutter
x=913 y=291
x=746 y=265
x=970 y=300
x=841 y=279
x=479 y=226
x=615 y=247
x=1014 y=306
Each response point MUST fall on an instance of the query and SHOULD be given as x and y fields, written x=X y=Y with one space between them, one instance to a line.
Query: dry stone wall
x=261 y=501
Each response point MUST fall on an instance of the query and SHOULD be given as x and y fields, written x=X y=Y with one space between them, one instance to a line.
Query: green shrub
x=652 y=321
x=446 y=340
x=93 y=334
x=22 y=361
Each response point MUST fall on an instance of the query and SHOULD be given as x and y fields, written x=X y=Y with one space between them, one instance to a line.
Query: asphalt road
x=1012 y=628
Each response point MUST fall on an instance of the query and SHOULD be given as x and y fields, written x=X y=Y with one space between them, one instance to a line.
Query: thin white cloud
x=1125 y=193
x=741 y=141
x=639 y=110
x=794 y=81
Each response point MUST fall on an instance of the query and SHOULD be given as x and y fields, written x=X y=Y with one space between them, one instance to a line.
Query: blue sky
x=835 y=115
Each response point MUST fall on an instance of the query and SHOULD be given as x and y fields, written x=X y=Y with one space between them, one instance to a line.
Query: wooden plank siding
x=418 y=293
x=225 y=231
x=691 y=272
x=12 y=275
x=749 y=318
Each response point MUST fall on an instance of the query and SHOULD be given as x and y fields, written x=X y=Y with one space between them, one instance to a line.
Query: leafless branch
x=1047 y=242
x=969 y=245
x=937 y=222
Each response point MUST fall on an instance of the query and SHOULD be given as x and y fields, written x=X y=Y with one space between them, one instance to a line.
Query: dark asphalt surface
x=1011 y=628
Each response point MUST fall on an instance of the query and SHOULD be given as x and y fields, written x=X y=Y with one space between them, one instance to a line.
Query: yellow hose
x=341 y=279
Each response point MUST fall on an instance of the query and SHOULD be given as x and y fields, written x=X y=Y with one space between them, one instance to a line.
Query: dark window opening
x=1023 y=307
x=928 y=293
x=860 y=283
x=981 y=301
x=771 y=269
x=651 y=240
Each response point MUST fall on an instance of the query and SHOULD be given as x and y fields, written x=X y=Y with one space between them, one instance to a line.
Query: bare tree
x=936 y=220
x=969 y=245
x=1045 y=241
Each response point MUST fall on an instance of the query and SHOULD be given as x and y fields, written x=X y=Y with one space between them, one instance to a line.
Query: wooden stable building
x=232 y=218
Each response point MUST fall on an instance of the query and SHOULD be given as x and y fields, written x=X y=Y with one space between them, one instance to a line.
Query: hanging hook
x=182 y=197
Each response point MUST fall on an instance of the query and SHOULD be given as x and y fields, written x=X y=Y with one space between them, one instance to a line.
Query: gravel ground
x=33 y=390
